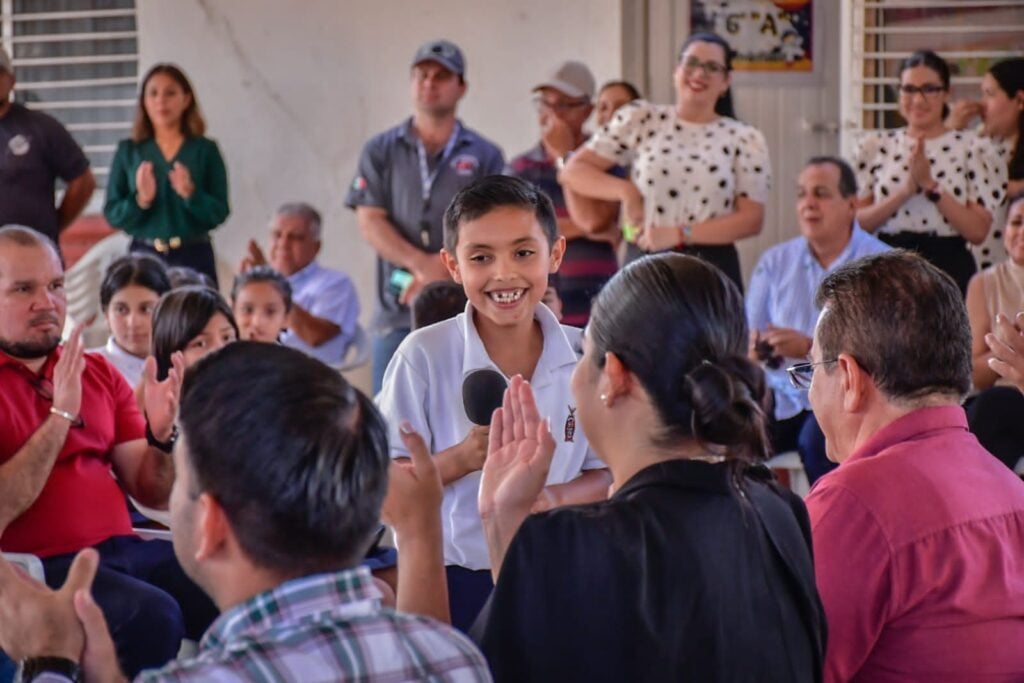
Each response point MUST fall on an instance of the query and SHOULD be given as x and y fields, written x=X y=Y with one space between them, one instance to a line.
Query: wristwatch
x=34 y=667
x=165 y=446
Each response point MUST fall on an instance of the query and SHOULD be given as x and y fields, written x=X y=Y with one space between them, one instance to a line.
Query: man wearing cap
x=35 y=150
x=405 y=179
x=564 y=103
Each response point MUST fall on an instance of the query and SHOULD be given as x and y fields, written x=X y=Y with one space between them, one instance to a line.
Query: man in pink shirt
x=919 y=534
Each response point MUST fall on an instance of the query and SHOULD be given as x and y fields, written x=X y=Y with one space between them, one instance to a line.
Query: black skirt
x=949 y=254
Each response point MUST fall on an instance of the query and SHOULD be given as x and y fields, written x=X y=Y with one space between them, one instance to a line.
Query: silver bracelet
x=63 y=413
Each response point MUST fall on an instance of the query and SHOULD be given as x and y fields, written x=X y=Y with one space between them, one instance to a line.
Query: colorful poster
x=773 y=37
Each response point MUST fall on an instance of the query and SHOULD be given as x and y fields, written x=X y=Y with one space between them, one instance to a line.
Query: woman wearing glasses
x=926 y=187
x=699 y=179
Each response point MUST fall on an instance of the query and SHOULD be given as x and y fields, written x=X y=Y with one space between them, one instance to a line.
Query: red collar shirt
x=81 y=503
x=919 y=556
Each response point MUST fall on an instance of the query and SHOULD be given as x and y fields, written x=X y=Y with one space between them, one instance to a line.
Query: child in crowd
x=437 y=301
x=194 y=320
x=261 y=299
x=500 y=243
x=130 y=290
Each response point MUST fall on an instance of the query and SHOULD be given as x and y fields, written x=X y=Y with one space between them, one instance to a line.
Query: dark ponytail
x=677 y=323
x=1009 y=74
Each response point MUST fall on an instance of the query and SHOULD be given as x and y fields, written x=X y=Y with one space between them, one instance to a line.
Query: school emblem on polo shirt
x=465 y=164
x=570 y=425
x=19 y=145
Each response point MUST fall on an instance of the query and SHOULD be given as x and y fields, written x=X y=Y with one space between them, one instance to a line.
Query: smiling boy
x=500 y=243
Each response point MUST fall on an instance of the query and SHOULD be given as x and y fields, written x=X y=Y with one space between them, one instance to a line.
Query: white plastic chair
x=82 y=285
x=790 y=462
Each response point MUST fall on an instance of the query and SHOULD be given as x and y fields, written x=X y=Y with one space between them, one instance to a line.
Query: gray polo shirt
x=389 y=177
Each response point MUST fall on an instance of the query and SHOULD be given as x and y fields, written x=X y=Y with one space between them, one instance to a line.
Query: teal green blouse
x=169 y=215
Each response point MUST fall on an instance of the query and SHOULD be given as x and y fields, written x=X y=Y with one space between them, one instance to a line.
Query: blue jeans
x=384 y=346
x=149 y=603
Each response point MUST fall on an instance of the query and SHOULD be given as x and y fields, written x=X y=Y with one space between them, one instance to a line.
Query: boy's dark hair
x=847 y=178
x=493 y=192
x=139 y=269
x=437 y=301
x=263 y=274
x=903 y=319
x=296 y=457
x=180 y=315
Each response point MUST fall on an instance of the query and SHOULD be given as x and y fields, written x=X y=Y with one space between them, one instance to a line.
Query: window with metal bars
x=877 y=35
x=77 y=60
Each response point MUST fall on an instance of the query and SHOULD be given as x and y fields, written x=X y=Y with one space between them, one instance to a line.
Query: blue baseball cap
x=445 y=53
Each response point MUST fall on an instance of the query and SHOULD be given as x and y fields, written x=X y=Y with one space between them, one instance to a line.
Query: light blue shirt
x=330 y=295
x=781 y=293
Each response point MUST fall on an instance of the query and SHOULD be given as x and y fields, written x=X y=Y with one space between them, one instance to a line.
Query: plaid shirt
x=326 y=627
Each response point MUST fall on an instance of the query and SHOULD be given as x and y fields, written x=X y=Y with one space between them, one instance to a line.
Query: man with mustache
x=68 y=421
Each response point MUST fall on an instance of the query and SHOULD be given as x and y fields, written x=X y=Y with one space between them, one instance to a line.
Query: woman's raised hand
x=519 y=454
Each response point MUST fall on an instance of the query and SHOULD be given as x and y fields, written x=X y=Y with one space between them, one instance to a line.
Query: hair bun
x=727 y=402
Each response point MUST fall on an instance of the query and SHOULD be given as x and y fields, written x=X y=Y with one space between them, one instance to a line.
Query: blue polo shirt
x=781 y=293
x=388 y=176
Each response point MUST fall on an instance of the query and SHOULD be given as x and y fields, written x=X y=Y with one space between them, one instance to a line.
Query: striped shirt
x=781 y=294
x=326 y=627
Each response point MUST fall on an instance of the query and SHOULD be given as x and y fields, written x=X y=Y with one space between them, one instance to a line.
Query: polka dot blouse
x=992 y=251
x=687 y=172
x=961 y=163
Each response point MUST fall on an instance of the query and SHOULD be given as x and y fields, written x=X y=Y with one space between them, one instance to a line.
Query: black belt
x=164 y=246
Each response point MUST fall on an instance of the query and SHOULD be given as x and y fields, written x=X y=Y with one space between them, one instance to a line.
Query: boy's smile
x=503 y=260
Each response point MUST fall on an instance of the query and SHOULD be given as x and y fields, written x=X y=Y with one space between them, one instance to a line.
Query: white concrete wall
x=291 y=90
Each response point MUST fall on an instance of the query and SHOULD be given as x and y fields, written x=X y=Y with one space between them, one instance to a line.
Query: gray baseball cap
x=570 y=78
x=5 y=61
x=445 y=53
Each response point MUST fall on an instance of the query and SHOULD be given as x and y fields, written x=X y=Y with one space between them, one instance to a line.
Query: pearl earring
x=604 y=398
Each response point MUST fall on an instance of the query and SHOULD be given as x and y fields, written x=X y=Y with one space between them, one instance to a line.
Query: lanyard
x=427 y=177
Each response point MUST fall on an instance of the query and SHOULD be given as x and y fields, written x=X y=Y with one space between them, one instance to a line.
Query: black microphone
x=482 y=392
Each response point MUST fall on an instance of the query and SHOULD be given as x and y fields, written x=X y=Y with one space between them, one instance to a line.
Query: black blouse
x=691 y=571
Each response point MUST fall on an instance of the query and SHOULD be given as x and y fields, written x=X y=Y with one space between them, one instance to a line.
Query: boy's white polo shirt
x=423 y=384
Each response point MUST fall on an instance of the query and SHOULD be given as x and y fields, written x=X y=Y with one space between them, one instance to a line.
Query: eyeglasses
x=709 y=68
x=800 y=374
x=927 y=91
x=44 y=388
x=541 y=104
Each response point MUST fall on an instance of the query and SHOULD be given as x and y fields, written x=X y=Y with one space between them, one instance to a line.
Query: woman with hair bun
x=698 y=567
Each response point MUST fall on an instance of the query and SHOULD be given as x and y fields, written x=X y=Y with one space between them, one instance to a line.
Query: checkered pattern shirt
x=326 y=627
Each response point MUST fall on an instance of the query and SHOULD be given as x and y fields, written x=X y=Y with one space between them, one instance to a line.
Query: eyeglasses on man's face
x=800 y=375
x=927 y=91
x=710 y=68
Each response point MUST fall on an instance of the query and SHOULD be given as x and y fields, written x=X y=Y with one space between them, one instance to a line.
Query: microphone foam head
x=482 y=391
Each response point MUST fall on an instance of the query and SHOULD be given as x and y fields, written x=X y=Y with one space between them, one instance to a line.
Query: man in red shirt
x=919 y=534
x=68 y=421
